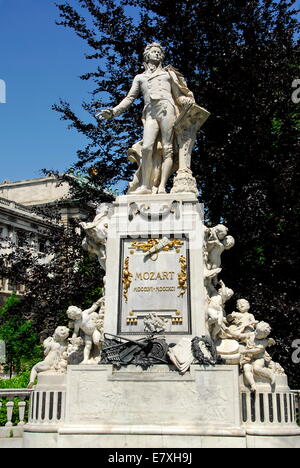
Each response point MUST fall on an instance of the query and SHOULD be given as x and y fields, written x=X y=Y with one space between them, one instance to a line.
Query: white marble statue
x=216 y=241
x=216 y=312
x=169 y=113
x=254 y=360
x=90 y=324
x=275 y=367
x=55 y=348
x=210 y=280
x=241 y=321
x=75 y=350
x=96 y=233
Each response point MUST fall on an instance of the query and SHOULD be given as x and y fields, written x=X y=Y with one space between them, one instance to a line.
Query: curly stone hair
x=149 y=47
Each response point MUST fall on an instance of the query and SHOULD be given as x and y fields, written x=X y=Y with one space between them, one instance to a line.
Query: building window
x=21 y=239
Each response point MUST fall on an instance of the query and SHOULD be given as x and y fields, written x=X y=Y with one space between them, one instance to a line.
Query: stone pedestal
x=154 y=408
x=168 y=281
x=208 y=407
x=47 y=411
x=268 y=415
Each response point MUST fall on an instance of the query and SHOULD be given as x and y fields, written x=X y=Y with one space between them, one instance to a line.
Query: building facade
x=22 y=227
x=44 y=191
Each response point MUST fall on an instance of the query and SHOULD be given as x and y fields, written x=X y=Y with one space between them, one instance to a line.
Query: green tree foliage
x=19 y=337
x=53 y=280
x=239 y=58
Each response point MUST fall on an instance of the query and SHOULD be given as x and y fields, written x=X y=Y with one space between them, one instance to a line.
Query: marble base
x=154 y=408
x=203 y=399
x=164 y=441
x=11 y=443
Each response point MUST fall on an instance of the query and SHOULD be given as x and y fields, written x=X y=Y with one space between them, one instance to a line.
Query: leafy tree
x=53 y=280
x=240 y=61
x=18 y=335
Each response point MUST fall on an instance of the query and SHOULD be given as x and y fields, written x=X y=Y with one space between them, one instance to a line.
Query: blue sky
x=40 y=63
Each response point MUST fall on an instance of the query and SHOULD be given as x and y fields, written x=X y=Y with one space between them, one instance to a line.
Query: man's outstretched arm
x=124 y=105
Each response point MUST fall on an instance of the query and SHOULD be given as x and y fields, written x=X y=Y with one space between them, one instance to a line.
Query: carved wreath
x=211 y=349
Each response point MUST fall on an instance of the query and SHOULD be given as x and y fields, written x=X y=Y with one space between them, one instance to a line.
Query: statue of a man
x=165 y=96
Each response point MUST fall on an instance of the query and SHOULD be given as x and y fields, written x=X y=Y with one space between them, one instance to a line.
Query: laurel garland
x=211 y=348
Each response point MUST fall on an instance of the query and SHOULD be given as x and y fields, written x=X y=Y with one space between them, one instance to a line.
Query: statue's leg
x=166 y=124
x=33 y=376
x=39 y=367
x=151 y=130
x=261 y=370
x=87 y=349
x=249 y=377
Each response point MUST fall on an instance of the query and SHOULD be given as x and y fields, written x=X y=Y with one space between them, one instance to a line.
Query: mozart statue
x=166 y=100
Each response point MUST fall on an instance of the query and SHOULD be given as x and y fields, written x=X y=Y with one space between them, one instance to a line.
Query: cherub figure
x=96 y=233
x=74 y=349
x=90 y=323
x=211 y=277
x=55 y=348
x=216 y=315
x=254 y=357
x=241 y=321
x=217 y=241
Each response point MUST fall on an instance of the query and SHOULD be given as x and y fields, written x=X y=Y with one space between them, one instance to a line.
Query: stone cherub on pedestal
x=96 y=233
x=216 y=241
x=251 y=336
x=239 y=337
x=171 y=120
x=90 y=324
x=215 y=312
x=55 y=350
x=253 y=361
x=240 y=322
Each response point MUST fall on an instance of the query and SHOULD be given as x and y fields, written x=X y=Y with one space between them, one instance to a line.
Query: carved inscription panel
x=154 y=277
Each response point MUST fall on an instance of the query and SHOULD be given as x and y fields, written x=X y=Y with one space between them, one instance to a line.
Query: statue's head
x=74 y=313
x=61 y=334
x=221 y=231
x=263 y=330
x=243 y=305
x=154 y=51
x=228 y=294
